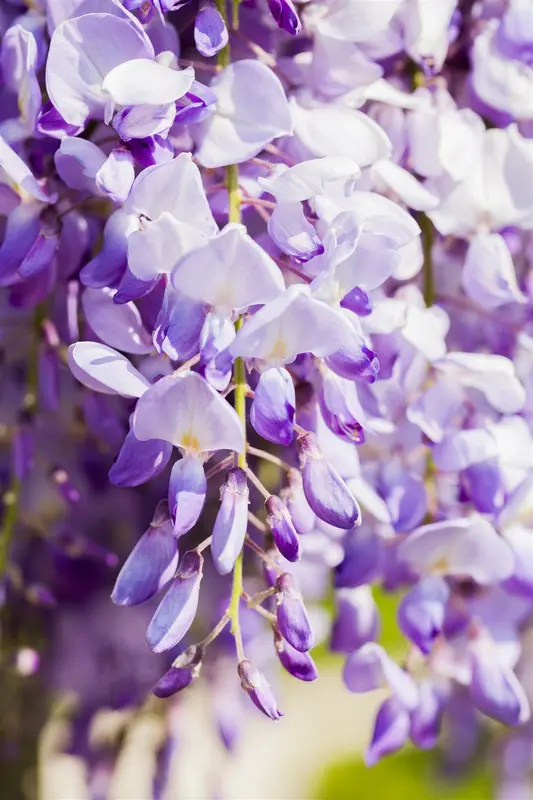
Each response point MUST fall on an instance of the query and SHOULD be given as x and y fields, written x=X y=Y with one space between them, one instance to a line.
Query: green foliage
x=410 y=775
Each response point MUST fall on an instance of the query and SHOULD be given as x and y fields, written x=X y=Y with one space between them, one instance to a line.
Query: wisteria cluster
x=282 y=246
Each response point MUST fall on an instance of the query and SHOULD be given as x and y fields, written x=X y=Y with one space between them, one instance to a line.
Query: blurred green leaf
x=410 y=775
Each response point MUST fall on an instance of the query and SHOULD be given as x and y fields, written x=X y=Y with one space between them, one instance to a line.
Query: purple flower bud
x=293 y=621
x=302 y=515
x=175 y=614
x=426 y=719
x=325 y=490
x=150 y=565
x=358 y=301
x=371 y=668
x=422 y=611
x=66 y=488
x=484 y=486
x=186 y=493
x=283 y=530
x=184 y=670
x=210 y=32
x=272 y=411
x=138 y=462
x=231 y=522
x=299 y=665
x=391 y=731
x=340 y=408
x=356 y=621
x=258 y=689
x=285 y=15
x=39 y=257
x=352 y=363
x=494 y=688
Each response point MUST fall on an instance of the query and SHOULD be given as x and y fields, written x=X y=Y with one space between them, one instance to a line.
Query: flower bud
x=325 y=490
x=231 y=522
x=258 y=689
x=356 y=621
x=299 y=665
x=272 y=411
x=210 y=32
x=358 y=301
x=283 y=530
x=184 y=670
x=186 y=493
x=150 y=565
x=292 y=617
x=285 y=15
x=302 y=515
x=176 y=612
x=391 y=731
x=422 y=610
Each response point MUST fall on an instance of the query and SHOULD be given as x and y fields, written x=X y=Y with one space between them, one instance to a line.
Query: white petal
x=186 y=411
x=341 y=132
x=244 y=120
x=142 y=81
x=102 y=369
x=488 y=276
x=230 y=273
x=309 y=178
x=413 y=193
x=118 y=326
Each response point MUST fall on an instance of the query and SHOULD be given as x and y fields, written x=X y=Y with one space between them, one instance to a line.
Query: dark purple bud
x=285 y=15
x=391 y=731
x=299 y=665
x=150 y=565
x=358 y=301
x=283 y=530
x=352 y=362
x=22 y=451
x=177 y=610
x=272 y=411
x=426 y=719
x=422 y=610
x=151 y=150
x=325 y=490
x=66 y=488
x=186 y=493
x=184 y=670
x=231 y=522
x=356 y=620
x=48 y=373
x=258 y=690
x=362 y=560
x=302 y=515
x=210 y=32
x=138 y=461
x=293 y=621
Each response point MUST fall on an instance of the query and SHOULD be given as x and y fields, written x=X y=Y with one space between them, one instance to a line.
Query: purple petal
x=272 y=411
x=175 y=614
x=293 y=622
x=150 y=566
x=255 y=685
x=210 y=32
x=138 y=461
x=283 y=530
x=231 y=522
x=391 y=731
x=186 y=493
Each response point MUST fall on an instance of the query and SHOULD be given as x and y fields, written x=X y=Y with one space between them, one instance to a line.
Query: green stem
x=428 y=281
x=239 y=372
x=11 y=506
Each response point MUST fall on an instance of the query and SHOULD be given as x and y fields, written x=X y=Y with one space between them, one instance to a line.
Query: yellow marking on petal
x=190 y=441
x=441 y=566
x=279 y=351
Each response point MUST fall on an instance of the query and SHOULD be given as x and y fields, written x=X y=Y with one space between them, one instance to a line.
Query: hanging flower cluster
x=311 y=253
